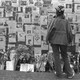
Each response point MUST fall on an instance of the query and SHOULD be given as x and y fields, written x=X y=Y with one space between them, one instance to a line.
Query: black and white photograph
x=39 y=39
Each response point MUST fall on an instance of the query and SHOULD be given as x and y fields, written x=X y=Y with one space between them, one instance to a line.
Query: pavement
x=17 y=75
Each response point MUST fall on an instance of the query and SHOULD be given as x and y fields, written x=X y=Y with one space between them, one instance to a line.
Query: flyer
x=37 y=51
x=35 y=10
x=28 y=29
x=71 y=17
x=19 y=17
x=1 y=12
x=78 y=18
x=43 y=20
x=27 y=67
x=23 y=2
x=77 y=38
x=31 y=2
x=19 y=27
x=37 y=34
x=10 y=65
x=2 y=30
x=36 y=18
x=77 y=1
x=2 y=43
x=29 y=40
x=77 y=47
x=77 y=8
x=43 y=11
x=19 y=9
x=12 y=26
x=28 y=9
x=8 y=8
x=27 y=18
x=21 y=36
x=68 y=6
x=11 y=45
x=44 y=46
x=12 y=38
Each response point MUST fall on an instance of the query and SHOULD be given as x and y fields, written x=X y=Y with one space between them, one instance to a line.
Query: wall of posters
x=31 y=18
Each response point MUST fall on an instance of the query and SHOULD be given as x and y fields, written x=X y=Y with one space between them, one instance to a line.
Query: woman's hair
x=59 y=13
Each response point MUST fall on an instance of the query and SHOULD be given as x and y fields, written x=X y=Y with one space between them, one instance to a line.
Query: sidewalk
x=15 y=75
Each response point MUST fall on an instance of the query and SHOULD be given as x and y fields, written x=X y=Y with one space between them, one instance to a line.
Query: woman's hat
x=60 y=8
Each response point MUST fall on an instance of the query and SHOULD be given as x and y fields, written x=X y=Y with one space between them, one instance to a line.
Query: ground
x=16 y=75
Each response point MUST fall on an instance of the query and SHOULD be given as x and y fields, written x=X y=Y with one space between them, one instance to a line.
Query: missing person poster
x=2 y=43
x=29 y=40
x=37 y=34
x=36 y=18
x=21 y=36
x=77 y=38
x=23 y=2
x=77 y=8
x=77 y=1
x=12 y=38
x=44 y=45
x=12 y=26
x=19 y=27
x=37 y=51
x=2 y=30
x=27 y=18
x=28 y=29
x=43 y=20
x=11 y=45
x=1 y=12
x=68 y=7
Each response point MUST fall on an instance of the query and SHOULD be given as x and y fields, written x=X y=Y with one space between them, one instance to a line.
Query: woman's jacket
x=62 y=34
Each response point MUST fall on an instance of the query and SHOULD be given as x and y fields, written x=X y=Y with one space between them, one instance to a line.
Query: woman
x=60 y=38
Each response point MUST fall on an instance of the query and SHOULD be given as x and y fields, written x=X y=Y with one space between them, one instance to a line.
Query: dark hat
x=60 y=8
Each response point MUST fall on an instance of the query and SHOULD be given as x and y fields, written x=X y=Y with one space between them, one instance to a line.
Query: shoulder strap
x=52 y=23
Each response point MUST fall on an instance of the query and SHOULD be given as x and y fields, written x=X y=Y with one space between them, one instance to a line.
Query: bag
x=51 y=30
